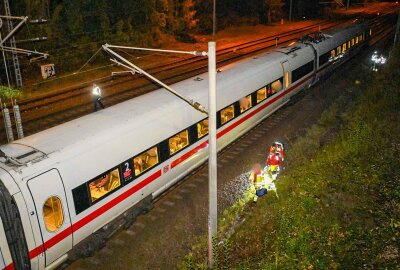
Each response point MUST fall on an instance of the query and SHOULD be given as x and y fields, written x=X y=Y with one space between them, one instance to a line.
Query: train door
x=48 y=195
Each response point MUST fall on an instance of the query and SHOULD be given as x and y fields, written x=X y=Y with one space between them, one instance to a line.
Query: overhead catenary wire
x=88 y=61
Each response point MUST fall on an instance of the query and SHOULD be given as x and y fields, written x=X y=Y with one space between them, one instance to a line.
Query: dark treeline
x=76 y=28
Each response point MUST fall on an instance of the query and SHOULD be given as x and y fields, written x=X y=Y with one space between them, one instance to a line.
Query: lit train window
x=287 y=79
x=202 y=128
x=245 y=103
x=338 y=50
x=333 y=54
x=145 y=161
x=344 y=47
x=352 y=42
x=276 y=86
x=261 y=94
x=227 y=114
x=356 y=40
x=348 y=44
x=104 y=185
x=360 y=38
x=53 y=214
x=178 y=142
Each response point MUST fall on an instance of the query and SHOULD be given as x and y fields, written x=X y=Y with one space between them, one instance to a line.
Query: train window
x=145 y=161
x=104 y=184
x=344 y=47
x=356 y=40
x=338 y=50
x=245 y=103
x=261 y=94
x=276 y=86
x=287 y=79
x=333 y=54
x=53 y=214
x=227 y=114
x=178 y=142
x=302 y=71
x=202 y=128
x=352 y=42
x=348 y=44
x=81 y=198
x=360 y=38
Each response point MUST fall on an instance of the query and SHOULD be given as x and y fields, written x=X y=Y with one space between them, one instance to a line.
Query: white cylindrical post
x=397 y=33
x=7 y=124
x=18 y=121
x=212 y=148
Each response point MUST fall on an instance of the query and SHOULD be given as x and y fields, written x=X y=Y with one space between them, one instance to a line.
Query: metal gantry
x=18 y=77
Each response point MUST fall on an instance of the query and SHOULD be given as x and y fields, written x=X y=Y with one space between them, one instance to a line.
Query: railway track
x=55 y=108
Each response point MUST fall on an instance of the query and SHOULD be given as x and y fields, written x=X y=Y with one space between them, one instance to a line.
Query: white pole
x=397 y=33
x=212 y=148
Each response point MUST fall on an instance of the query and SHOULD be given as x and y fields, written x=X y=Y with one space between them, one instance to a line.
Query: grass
x=339 y=205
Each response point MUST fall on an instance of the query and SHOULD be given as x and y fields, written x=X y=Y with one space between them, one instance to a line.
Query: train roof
x=152 y=117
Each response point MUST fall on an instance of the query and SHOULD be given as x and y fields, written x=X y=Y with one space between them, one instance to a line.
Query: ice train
x=64 y=190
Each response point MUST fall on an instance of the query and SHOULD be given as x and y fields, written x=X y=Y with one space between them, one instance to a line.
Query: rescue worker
x=257 y=178
x=274 y=162
x=269 y=180
x=97 y=97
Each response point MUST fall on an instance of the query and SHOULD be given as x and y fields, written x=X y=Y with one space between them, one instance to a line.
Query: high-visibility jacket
x=96 y=91
x=258 y=179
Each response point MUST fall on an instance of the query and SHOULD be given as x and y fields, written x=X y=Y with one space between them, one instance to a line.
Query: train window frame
x=92 y=202
x=142 y=153
x=248 y=98
x=233 y=117
x=182 y=148
x=265 y=96
x=197 y=129
x=62 y=214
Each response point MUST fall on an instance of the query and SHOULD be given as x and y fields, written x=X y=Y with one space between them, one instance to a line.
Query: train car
x=64 y=190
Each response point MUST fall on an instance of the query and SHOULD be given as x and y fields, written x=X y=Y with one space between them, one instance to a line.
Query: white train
x=66 y=189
